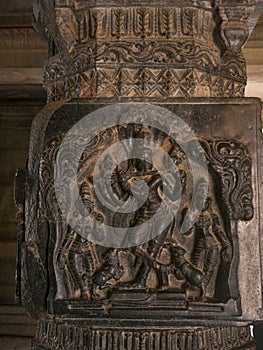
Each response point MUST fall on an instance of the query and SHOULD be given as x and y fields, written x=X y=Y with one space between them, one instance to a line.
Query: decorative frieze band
x=143 y=51
x=62 y=336
x=135 y=23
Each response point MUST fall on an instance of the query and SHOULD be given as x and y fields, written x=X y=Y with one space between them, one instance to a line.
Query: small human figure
x=211 y=245
x=74 y=264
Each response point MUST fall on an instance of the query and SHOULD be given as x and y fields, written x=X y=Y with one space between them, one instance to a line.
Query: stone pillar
x=146 y=112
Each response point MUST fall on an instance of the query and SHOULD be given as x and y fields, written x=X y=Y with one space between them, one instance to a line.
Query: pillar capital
x=151 y=49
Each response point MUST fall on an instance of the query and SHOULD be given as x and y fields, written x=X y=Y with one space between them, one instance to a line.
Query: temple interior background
x=22 y=54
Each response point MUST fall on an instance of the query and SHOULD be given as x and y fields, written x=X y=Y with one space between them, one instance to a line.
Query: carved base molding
x=51 y=336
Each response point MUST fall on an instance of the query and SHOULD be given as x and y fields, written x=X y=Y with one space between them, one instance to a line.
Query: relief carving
x=189 y=263
x=112 y=41
x=164 y=286
x=52 y=335
x=225 y=158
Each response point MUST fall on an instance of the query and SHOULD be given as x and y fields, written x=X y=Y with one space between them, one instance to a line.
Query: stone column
x=145 y=111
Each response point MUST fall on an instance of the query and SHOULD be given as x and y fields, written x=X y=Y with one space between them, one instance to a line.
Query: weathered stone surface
x=189 y=288
x=190 y=49
x=140 y=338
x=15 y=118
x=238 y=304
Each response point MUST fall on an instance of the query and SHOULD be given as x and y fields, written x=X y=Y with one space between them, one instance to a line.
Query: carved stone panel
x=141 y=214
x=175 y=277
x=188 y=265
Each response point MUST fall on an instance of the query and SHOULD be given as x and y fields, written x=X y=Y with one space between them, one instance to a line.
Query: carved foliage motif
x=129 y=51
x=172 y=261
x=225 y=158
x=143 y=22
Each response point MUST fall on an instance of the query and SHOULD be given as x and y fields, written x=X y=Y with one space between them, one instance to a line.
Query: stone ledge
x=14 y=321
x=15 y=343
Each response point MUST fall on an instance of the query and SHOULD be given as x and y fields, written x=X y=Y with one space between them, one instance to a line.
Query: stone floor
x=14 y=343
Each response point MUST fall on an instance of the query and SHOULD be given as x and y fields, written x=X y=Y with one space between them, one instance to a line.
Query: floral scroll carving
x=104 y=49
